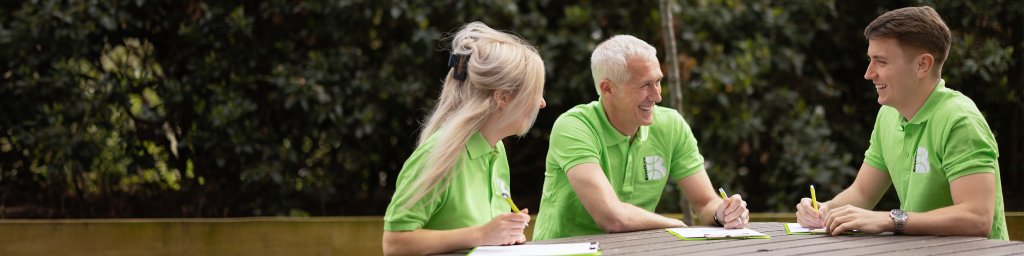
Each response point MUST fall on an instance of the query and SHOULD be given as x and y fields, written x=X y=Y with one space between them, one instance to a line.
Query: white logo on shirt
x=922 y=161
x=654 y=168
x=502 y=186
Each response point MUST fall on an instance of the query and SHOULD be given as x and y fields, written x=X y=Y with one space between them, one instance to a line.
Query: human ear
x=925 y=62
x=606 y=88
x=501 y=97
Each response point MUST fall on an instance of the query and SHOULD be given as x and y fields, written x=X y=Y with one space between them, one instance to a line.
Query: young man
x=609 y=160
x=929 y=141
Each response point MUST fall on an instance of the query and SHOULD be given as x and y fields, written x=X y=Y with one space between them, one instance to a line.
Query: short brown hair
x=920 y=28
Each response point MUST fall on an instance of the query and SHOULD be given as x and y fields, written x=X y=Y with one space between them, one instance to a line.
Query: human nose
x=870 y=74
x=543 y=103
x=657 y=94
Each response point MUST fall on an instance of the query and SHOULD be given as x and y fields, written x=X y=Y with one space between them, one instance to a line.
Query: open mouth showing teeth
x=646 y=108
x=881 y=86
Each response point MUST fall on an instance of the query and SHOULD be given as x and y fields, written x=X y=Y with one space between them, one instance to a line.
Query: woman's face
x=526 y=119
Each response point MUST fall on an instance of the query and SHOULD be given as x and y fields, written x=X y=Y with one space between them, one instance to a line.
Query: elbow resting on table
x=390 y=244
x=611 y=224
x=981 y=228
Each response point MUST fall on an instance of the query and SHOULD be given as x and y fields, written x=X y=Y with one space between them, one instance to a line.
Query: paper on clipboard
x=796 y=229
x=538 y=249
x=715 y=233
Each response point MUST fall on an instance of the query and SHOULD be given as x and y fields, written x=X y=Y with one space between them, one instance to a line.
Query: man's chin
x=646 y=122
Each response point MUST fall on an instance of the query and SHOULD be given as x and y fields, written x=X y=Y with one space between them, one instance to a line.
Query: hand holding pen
x=810 y=213
x=732 y=213
x=513 y=205
x=505 y=229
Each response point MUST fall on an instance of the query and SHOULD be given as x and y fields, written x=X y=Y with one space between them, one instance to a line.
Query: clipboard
x=574 y=249
x=715 y=233
x=796 y=229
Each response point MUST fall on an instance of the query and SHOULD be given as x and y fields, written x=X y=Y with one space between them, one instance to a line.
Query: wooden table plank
x=881 y=244
x=661 y=242
x=957 y=247
x=1008 y=249
x=748 y=245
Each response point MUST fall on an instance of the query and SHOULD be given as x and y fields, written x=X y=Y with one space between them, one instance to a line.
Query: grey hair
x=609 y=59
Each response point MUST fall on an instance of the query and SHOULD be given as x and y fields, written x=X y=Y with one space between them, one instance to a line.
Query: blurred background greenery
x=170 y=108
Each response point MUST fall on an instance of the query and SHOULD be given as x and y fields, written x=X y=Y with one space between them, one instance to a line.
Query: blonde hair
x=498 y=61
x=609 y=59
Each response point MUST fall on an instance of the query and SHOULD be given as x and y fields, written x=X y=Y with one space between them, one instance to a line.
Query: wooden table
x=660 y=242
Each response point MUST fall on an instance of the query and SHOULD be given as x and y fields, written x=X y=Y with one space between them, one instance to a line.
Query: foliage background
x=163 y=108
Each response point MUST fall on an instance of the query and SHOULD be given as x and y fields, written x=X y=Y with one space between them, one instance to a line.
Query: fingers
x=744 y=218
x=848 y=226
x=738 y=218
x=505 y=229
x=835 y=218
x=828 y=221
x=735 y=210
x=806 y=216
x=741 y=220
x=516 y=217
x=512 y=222
x=735 y=203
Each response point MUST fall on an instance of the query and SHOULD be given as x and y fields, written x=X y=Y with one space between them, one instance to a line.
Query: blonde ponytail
x=498 y=61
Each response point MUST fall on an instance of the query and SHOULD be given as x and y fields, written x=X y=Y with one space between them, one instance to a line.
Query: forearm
x=425 y=241
x=627 y=217
x=707 y=214
x=955 y=220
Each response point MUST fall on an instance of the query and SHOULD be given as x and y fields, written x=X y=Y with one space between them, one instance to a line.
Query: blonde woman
x=449 y=194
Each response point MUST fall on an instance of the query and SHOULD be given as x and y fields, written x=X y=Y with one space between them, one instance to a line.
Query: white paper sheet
x=705 y=232
x=537 y=249
x=796 y=228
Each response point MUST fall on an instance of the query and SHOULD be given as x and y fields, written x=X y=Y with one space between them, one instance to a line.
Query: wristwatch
x=900 y=217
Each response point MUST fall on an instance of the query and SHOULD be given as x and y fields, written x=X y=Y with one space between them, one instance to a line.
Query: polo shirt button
x=908 y=135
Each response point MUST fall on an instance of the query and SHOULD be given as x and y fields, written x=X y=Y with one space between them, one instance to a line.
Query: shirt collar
x=477 y=146
x=609 y=134
x=929 y=106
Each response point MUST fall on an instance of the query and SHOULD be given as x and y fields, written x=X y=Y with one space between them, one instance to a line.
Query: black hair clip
x=459 y=63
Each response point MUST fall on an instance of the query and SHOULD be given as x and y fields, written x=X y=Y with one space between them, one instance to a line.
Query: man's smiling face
x=890 y=71
x=634 y=100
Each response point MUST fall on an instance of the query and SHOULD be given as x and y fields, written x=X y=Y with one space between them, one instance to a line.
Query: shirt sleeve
x=573 y=142
x=687 y=159
x=970 y=148
x=401 y=218
x=873 y=156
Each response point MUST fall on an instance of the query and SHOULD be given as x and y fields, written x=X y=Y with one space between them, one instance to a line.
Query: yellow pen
x=814 y=200
x=510 y=203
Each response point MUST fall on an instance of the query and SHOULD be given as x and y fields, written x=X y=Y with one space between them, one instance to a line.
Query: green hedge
x=165 y=108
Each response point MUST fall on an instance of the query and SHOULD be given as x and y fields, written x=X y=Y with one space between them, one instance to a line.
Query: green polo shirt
x=473 y=197
x=947 y=139
x=637 y=172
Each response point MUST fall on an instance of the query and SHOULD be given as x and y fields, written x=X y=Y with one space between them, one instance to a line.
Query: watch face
x=898 y=214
